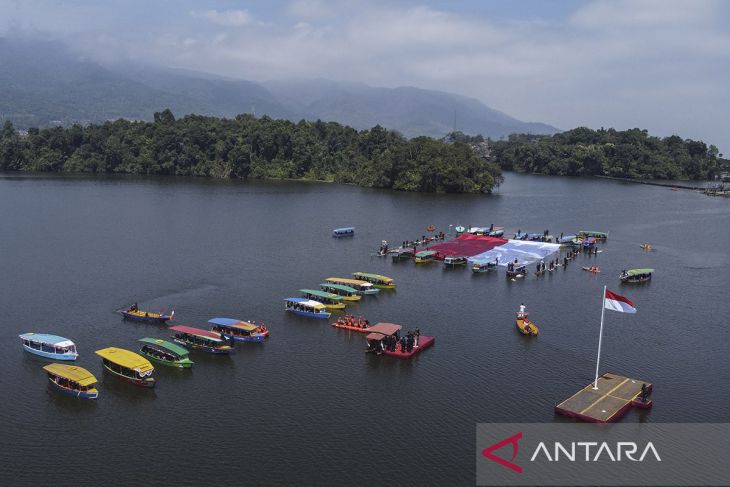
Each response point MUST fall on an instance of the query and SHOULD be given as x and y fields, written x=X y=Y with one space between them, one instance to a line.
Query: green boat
x=165 y=353
x=330 y=300
x=636 y=275
x=348 y=293
x=591 y=233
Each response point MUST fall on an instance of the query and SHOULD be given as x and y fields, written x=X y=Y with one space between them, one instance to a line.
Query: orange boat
x=349 y=322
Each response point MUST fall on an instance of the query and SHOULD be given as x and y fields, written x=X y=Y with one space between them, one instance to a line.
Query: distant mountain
x=42 y=83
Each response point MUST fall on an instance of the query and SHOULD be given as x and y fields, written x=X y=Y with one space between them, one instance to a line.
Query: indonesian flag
x=618 y=303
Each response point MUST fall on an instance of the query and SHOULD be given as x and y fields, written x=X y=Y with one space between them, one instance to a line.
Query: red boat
x=384 y=339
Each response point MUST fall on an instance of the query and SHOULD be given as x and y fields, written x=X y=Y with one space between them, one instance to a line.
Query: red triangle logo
x=488 y=452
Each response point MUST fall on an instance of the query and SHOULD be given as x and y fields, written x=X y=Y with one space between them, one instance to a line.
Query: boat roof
x=426 y=253
x=636 y=272
x=592 y=232
x=125 y=358
x=47 y=339
x=346 y=280
x=340 y=287
x=169 y=346
x=343 y=229
x=452 y=257
x=306 y=302
x=378 y=330
x=196 y=331
x=233 y=323
x=71 y=372
x=321 y=294
x=374 y=276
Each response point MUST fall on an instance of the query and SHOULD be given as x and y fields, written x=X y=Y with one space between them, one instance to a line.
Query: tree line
x=249 y=147
x=630 y=154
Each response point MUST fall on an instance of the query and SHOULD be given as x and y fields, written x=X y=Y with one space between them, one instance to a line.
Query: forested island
x=249 y=147
x=632 y=154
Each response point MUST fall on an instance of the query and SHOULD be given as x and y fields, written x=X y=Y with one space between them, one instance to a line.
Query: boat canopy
x=592 y=233
x=306 y=302
x=54 y=340
x=341 y=287
x=344 y=230
x=567 y=239
x=164 y=344
x=373 y=276
x=71 y=372
x=345 y=280
x=125 y=358
x=189 y=330
x=379 y=330
x=638 y=272
x=524 y=251
x=321 y=294
x=233 y=323
x=426 y=253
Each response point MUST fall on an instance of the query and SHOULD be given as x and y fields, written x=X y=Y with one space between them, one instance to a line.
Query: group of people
x=390 y=343
x=158 y=354
x=515 y=266
x=355 y=322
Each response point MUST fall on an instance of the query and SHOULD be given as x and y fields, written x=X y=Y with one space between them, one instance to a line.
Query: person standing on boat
x=417 y=334
x=523 y=311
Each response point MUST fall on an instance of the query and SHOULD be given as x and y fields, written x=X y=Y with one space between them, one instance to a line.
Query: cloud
x=226 y=18
x=308 y=9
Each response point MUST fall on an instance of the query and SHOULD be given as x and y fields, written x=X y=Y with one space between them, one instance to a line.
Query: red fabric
x=467 y=245
x=616 y=297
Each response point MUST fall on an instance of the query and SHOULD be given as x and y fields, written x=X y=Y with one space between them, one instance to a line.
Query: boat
x=349 y=322
x=343 y=232
x=517 y=271
x=425 y=256
x=483 y=267
x=524 y=324
x=431 y=228
x=306 y=307
x=636 y=275
x=459 y=230
x=577 y=242
x=589 y=243
x=594 y=234
x=203 y=340
x=381 y=282
x=362 y=287
x=49 y=346
x=454 y=260
x=646 y=246
x=496 y=232
x=402 y=254
x=348 y=293
x=128 y=366
x=242 y=331
x=592 y=269
x=165 y=353
x=136 y=314
x=385 y=339
x=330 y=300
x=72 y=380
x=567 y=240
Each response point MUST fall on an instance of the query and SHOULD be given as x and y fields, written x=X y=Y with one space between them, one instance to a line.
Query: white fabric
x=620 y=306
x=525 y=252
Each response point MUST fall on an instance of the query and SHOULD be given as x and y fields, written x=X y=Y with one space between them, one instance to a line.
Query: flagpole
x=600 y=336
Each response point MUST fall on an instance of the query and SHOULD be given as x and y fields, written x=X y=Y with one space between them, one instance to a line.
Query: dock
x=423 y=343
x=613 y=398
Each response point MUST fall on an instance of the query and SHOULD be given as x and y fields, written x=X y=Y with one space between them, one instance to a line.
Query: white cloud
x=308 y=9
x=226 y=18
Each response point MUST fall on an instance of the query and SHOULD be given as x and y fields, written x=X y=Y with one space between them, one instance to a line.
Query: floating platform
x=423 y=343
x=613 y=398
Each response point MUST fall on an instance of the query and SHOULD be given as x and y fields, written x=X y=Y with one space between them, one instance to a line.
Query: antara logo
x=588 y=451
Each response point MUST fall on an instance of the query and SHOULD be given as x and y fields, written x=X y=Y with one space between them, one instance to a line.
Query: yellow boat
x=128 y=366
x=73 y=380
x=362 y=287
x=526 y=326
x=382 y=282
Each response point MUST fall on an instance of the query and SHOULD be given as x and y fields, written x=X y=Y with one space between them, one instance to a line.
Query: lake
x=309 y=406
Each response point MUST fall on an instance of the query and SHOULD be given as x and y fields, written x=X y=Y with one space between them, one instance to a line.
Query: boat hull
x=310 y=315
x=630 y=280
x=54 y=356
x=90 y=394
x=351 y=328
x=527 y=327
x=146 y=382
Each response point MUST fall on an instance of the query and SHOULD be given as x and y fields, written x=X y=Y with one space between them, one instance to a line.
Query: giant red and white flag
x=618 y=303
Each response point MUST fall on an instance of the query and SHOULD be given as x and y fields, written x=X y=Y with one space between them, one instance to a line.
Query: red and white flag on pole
x=618 y=303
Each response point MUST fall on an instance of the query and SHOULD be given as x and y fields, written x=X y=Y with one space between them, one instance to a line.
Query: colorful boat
x=349 y=322
x=526 y=326
x=459 y=230
x=402 y=254
x=594 y=234
x=136 y=314
x=593 y=269
x=454 y=260
x=306 y=307
x=343 y=232
x=425 y=256
x=330 y=300
x=348 y=293
x=384 y=339
x=381 y=282
x=128 y=366
x=589 y=243
x=517 y=271
x=633 y=276
x=203 y=340
x=72 y=380
x=49 y=346
x=362 y=287
x=242 y=331
x=483 y=267
x=567 y=240
x=165 y=353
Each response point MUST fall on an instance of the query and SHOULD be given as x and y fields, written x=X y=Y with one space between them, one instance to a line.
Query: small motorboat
x=49 y=346
x=646 y=246
x=633 y=276
x=307 y=307
x=517 y=271
x=592 y=269
x=483 y=267
x=526 y=326
x=136 y=314
x=343 y=232
x=454 y=260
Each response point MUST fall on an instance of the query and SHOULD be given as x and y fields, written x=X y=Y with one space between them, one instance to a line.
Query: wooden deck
x=608 y=403
x=423 y=343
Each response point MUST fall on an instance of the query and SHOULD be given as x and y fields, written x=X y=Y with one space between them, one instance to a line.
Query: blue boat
x=72 y=380
x=306 y=307
x=343 y=232
x=242 y=331
x=49 y=346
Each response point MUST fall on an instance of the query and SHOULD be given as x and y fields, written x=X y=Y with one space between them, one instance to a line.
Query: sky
x=663 y=65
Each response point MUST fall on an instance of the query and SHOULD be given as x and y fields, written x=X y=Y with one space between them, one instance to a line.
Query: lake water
x=309 y=406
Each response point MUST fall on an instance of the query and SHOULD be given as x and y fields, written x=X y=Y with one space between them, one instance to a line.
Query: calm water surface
x=309 y=406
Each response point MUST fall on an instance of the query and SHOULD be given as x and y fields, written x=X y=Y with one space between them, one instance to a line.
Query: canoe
x=526 y=327
x=72 y=380
x=146 y=316
x=590 y=269
x=49 y=346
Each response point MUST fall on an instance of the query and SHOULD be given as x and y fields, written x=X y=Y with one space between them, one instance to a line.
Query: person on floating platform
x=644 y=392
x=403 y=344
x=409 y=342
